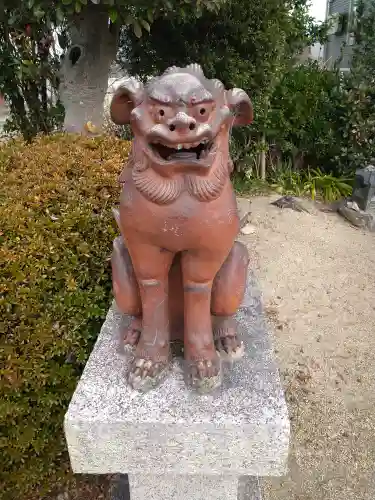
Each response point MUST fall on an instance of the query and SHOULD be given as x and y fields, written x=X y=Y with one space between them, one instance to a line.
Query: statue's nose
x=182 y=122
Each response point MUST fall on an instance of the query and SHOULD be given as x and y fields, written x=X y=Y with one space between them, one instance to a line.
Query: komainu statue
x=177 y=269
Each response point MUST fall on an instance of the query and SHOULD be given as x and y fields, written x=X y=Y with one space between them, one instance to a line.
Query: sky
x=318 y=9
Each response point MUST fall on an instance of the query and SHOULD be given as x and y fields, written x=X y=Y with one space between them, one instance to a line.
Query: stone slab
x=185 y=487
x=242 y=429
x=249 y=488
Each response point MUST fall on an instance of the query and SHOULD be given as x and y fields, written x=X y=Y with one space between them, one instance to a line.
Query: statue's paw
x=205 y=375
x=132 y=333
x=229 y=348
x=227 y=343
x=146 y=374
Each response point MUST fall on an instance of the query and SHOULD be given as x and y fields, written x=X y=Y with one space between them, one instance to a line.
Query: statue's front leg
x=152 y=354
x=202 y=363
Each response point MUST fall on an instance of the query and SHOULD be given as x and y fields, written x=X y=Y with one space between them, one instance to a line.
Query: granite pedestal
x=172 y=442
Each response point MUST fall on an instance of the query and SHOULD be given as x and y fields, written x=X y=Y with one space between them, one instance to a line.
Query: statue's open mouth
x=182 y=152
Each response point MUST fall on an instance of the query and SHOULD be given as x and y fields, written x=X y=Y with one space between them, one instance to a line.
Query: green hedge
x=56 y=231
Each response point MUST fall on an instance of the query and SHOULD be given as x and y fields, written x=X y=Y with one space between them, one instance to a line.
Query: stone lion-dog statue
x=177 y=269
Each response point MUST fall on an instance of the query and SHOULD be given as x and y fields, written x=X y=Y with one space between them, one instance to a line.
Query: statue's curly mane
x=214 y=86
x=162 y=190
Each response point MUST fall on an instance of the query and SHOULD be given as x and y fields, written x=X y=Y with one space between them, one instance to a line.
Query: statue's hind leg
x=227 y=294
x=126 y=291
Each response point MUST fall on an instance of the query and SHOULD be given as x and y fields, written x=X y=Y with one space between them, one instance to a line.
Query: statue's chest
x=185 y=219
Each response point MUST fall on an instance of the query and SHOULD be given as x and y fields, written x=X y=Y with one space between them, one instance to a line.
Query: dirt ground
x=317 y=274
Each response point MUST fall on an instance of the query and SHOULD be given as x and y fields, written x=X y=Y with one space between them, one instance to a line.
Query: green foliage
x=285 y=180
x=250 y=186
x=244 y=43
x=28 y=76
x=28 y=64
x=139 y=15
x=327 y=185
x=251 y=45
x=313 y=182
x=326 y=117
x=360 y=89
x=308 y=110
x=56 y=234
x=308 y=114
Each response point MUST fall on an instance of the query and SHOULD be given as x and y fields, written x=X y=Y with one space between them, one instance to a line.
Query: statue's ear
x=240 y=105
x=126 y=98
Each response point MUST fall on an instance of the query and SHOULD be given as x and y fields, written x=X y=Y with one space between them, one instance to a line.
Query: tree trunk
x=85 y=69
x=263 y=160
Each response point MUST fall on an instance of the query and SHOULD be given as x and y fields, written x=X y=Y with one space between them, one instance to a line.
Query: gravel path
x=318 y=278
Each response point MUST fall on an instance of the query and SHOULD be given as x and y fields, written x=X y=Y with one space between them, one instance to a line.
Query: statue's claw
x=204 y=376
x=227 y=343
x=146 y=374
x=132 y=333
x=229 y=348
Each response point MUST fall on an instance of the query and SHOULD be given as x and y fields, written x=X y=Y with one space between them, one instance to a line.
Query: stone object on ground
x=350 y=210
x=174 y=443
x=245 y=488
x=243 y=206
x=331 y=207
x=248 y=229
x=364 y=189
x=297 y=204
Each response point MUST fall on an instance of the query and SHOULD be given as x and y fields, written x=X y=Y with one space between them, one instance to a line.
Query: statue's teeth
x=189 y=145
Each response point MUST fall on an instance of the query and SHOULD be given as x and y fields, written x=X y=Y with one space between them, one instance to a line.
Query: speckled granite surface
x=242 y=429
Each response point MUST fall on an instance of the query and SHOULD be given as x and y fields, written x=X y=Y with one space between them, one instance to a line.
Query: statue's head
x=181 y=118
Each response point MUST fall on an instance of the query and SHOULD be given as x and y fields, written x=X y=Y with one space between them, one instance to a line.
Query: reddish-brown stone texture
x=177 y=268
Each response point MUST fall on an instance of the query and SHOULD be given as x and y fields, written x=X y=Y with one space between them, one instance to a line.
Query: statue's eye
x=161 y=112
x=202 y=111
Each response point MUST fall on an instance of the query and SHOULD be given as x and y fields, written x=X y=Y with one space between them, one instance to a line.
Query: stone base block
x=241 y=430
x=183 y=487
x=138 y=487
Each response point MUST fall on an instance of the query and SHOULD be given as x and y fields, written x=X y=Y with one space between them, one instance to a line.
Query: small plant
x=329 y=187
x=251 y=187
x=287 y=181
x=314 y=183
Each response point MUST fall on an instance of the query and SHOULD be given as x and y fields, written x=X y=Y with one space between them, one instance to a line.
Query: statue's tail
x=116 y=214
x=125 y=286
x=124 y=281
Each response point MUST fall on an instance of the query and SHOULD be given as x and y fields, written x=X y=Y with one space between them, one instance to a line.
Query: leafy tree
x=28 y=76
x=360 y=89
x=88 y=33
x=352 y=121
x=246 y=43
x=306 y=107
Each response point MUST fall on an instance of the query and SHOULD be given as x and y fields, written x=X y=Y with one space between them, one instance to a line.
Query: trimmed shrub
x=56 y=232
